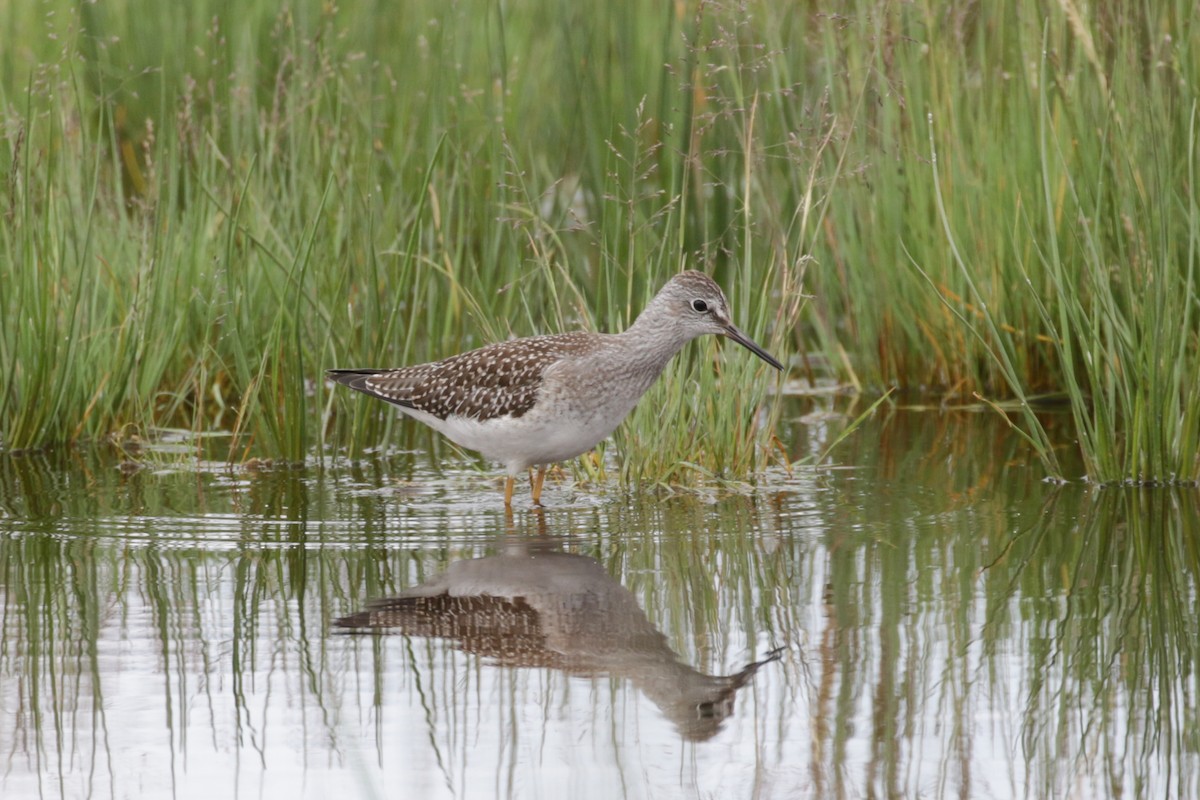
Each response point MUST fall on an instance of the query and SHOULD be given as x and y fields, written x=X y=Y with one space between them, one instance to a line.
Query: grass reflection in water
x=948 y=625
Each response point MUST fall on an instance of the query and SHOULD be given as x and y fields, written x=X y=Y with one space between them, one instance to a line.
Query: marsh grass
x=205 y=208
x=1042 y=238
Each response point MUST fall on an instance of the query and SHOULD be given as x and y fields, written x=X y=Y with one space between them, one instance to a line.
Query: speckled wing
x=493 y=381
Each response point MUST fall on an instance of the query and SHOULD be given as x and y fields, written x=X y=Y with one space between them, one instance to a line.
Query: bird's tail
x=354 y=378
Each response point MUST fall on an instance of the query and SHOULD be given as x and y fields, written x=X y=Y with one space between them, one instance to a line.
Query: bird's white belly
x=522 y=442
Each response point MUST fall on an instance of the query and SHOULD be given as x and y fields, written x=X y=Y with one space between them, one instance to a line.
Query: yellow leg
x=508 y=491
x=537 y=485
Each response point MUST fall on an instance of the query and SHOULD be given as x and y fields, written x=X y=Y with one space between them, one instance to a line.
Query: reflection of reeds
x=206 y=601
x=1108 y=618
x=953 y=625
x=990 y=635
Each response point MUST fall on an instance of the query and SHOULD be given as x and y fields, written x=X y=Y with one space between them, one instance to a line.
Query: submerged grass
x=206 y=207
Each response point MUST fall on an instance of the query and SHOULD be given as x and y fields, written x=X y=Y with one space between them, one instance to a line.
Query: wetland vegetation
x=206 y=205
x=977 y=220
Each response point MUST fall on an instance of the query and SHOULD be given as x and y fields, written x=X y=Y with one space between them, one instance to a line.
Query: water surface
x=923 y=617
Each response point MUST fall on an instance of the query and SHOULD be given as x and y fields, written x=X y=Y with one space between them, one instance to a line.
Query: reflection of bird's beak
x=745 y=341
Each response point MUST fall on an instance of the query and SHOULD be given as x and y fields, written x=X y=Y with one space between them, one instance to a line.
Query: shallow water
x=925 y=617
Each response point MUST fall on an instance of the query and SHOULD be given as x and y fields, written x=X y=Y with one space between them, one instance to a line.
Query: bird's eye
x=700 y=306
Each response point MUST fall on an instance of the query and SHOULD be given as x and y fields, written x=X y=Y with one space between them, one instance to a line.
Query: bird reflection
x=534 y=605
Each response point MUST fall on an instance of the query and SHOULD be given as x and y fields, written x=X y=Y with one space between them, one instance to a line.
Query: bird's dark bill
x=745 y=341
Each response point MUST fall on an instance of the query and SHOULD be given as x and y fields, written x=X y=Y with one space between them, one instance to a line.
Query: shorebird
x=535 y=401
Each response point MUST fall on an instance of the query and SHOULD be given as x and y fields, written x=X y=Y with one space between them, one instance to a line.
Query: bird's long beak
x=733 y=332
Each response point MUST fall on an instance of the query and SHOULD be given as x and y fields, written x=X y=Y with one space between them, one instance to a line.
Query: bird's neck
x=652 y=340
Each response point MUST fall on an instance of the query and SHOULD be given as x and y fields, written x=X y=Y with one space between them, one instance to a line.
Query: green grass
x=207 y=206
x=1021 y=218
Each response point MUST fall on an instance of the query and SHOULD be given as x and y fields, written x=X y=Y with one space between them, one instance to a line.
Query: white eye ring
x=699 y=306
